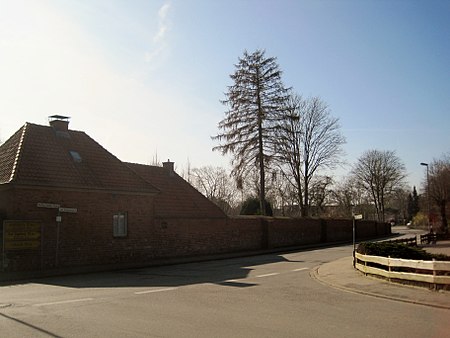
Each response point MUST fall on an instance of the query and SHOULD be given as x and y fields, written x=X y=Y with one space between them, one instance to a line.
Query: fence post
x=365 y=266
x=389 y=268
x=434 y=275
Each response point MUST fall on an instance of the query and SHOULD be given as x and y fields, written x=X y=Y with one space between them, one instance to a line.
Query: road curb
x=315 y=274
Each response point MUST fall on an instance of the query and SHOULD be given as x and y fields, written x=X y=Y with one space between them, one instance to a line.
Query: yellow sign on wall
x=22 y=235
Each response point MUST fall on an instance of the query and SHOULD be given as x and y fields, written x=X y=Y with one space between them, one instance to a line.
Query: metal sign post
x=58 y=229
x=355 y=217
x=354 y=258
x=3 y=247
x=58 y=223
x=58 y=226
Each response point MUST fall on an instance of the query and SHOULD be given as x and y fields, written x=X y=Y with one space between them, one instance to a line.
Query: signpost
x=58 y=222
x=27 y=235
x=58 y=228
x=355 y=217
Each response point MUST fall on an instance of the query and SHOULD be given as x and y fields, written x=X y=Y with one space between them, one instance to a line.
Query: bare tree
x=289 y=148
x=398 y=204
x=439 y=180
x=282 y=195
x=216 y=184
x=350 y=198
x=309 y=140
x=320 y=193
x=155 y=161
x=255 y=102
x=380 y=173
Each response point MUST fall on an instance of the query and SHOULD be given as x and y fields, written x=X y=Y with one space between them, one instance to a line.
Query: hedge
x=397 y=250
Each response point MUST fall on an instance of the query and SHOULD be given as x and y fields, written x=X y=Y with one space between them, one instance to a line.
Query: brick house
x=65 y=201
x=67 y=204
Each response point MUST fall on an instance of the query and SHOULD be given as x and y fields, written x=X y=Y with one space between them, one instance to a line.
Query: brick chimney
x=169 y=166
x=59 y=123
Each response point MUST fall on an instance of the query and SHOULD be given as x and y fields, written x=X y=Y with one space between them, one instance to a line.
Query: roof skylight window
x=75 y=156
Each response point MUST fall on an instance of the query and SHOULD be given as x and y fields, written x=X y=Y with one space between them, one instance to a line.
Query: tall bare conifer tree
x=255 y=103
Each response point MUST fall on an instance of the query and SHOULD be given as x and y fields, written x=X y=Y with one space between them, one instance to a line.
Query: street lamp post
x=428 y=195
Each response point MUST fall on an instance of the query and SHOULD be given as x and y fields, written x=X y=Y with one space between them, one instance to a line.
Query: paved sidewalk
x=441 y=247
x=341 y=274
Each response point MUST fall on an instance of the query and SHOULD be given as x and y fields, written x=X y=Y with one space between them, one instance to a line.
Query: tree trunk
x=262 y=192
x=262 y=179
x=444 y=222
x=305 y=210
x=305 y=204
x=299 y=194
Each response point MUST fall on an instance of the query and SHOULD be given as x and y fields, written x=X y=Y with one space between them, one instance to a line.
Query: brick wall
x=86 y=237
x=284 y=232
x=187 y=237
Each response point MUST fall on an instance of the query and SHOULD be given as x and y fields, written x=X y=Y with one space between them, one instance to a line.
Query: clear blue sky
x=146 y=77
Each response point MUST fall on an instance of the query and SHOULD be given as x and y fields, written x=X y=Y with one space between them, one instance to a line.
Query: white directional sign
x=48 y=205
x=70 y=210
x=358 y=216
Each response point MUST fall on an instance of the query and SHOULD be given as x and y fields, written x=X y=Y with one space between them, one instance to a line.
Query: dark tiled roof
x=178 y=198
x=38 y=155
x=8 y=156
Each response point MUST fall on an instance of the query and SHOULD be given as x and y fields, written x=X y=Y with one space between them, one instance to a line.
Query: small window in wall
x=120 y=224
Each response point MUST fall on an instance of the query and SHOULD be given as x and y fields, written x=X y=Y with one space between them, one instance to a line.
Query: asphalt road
x=262 y=296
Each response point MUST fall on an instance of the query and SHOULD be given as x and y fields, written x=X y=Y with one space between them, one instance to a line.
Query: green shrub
x=251 y=206
x=420 y=220
x=397 y=250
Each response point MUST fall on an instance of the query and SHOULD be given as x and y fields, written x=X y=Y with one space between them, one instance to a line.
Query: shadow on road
x=222 y=272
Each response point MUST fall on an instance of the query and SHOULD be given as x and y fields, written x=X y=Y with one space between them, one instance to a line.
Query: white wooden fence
x=433 y=272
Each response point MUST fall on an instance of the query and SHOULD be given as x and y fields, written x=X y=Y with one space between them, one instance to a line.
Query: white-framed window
x=120 y=224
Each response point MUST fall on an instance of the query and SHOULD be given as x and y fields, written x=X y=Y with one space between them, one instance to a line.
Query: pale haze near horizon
x=145 y=78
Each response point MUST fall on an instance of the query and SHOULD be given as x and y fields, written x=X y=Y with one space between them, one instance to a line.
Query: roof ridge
x=176 y=188
x=144 y=165
x=118 y=160
x=19 y=150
